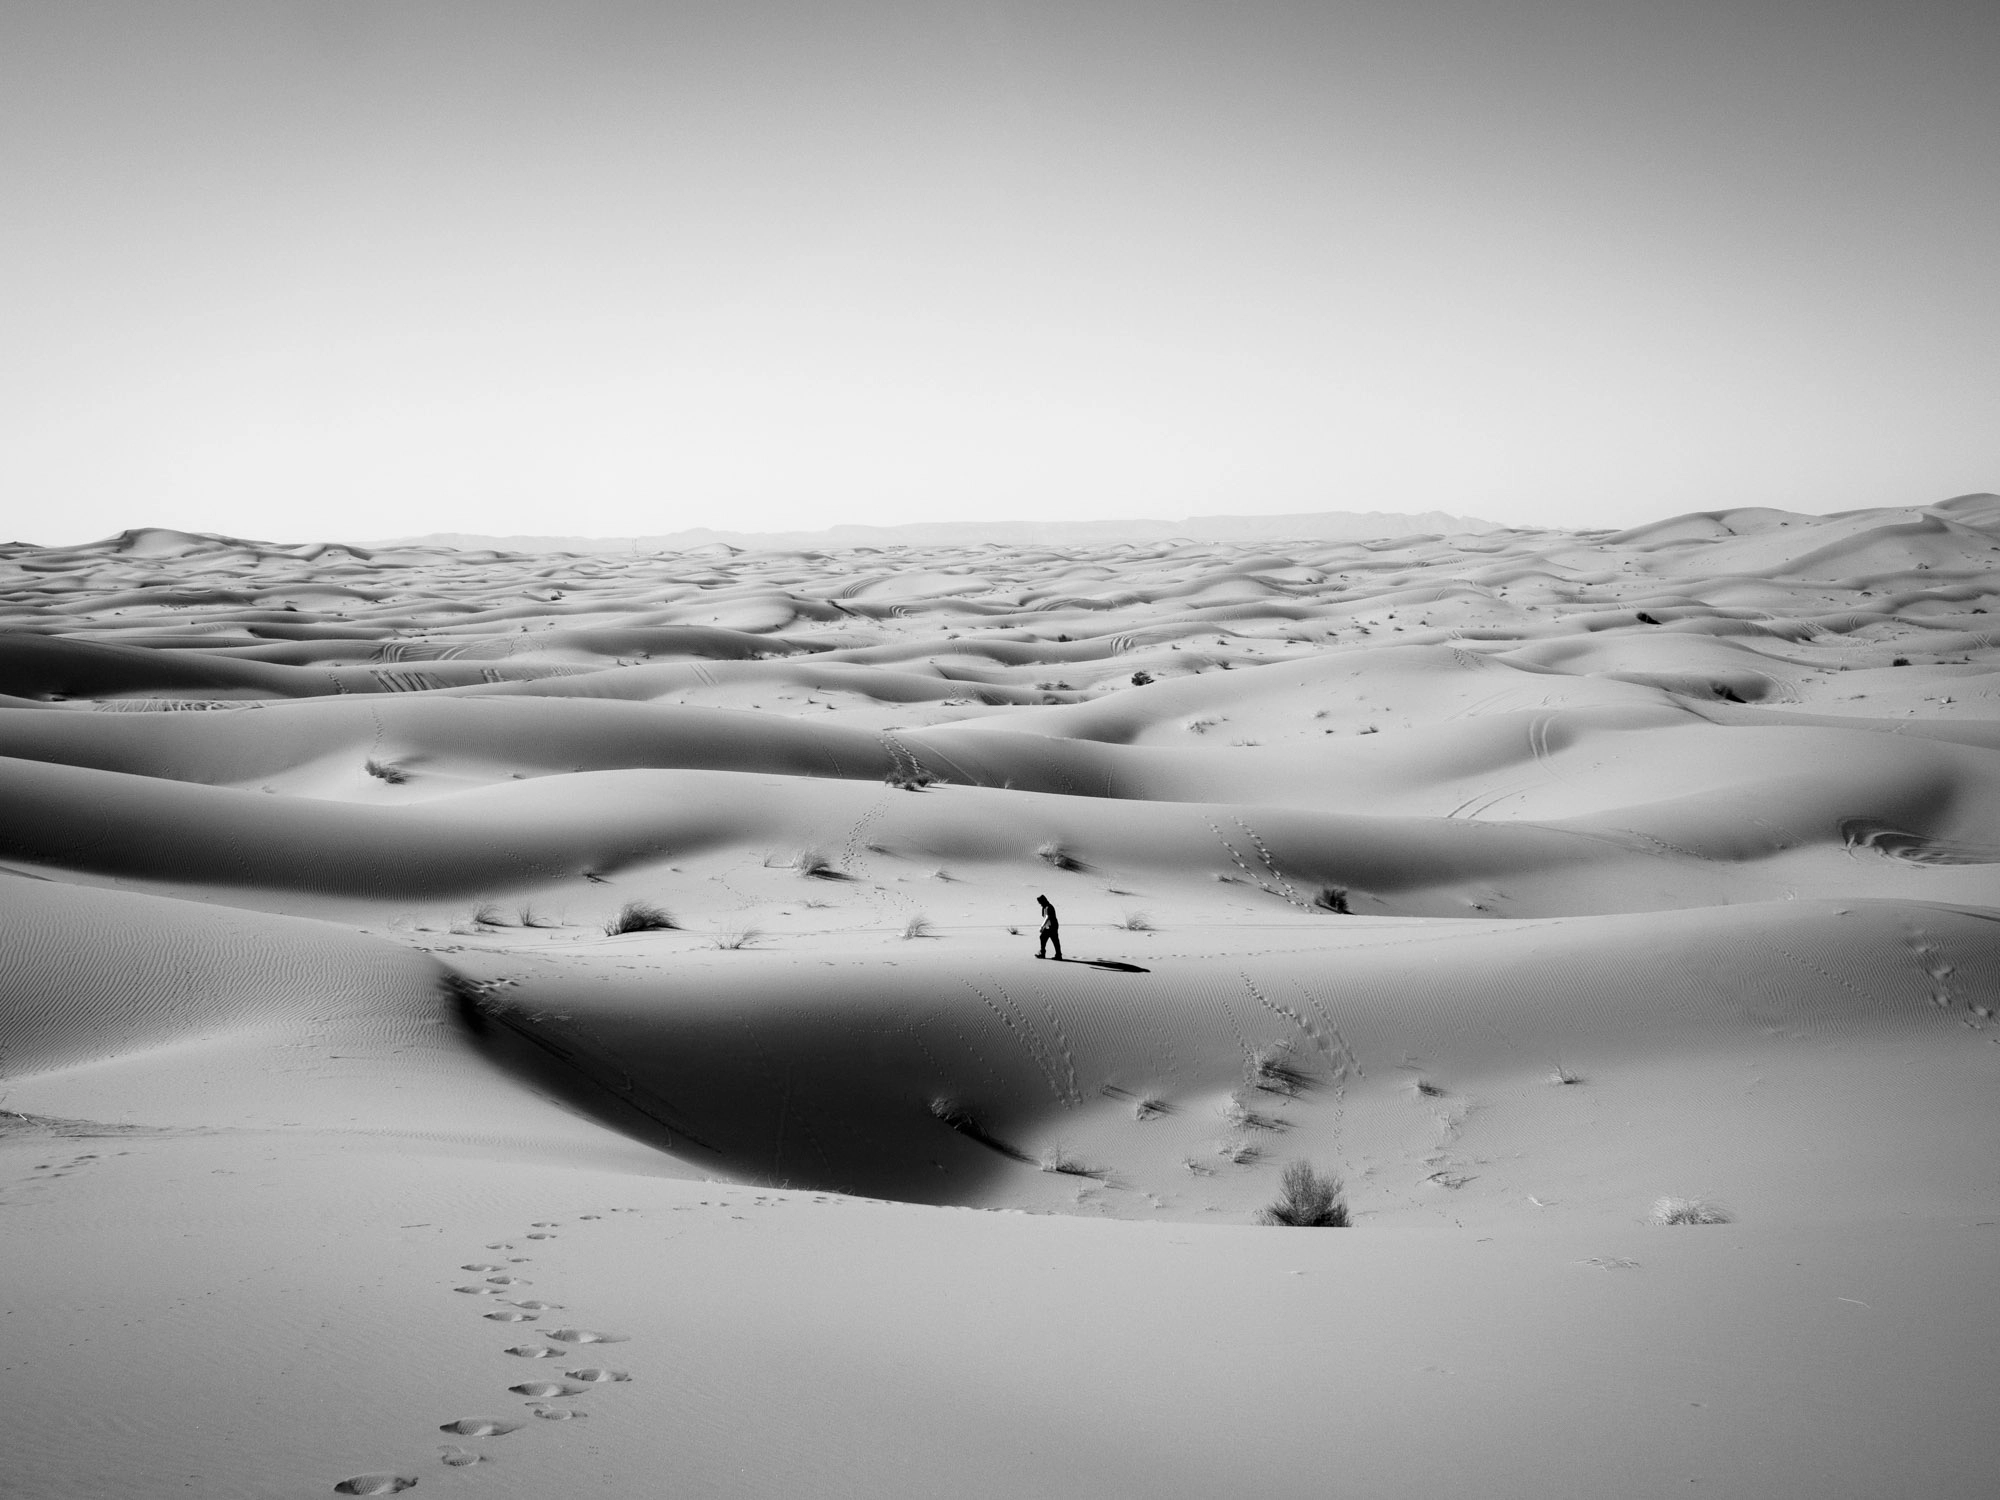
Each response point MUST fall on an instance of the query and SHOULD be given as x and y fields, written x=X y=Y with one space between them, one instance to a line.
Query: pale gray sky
x=382 y=266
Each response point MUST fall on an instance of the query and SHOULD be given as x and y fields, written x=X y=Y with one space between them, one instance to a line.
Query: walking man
x=1051 y=930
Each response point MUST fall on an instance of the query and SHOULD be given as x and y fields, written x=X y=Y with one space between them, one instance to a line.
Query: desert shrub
x=639 y=916
x=1140 y=679
x=1242 y=1117
x=1688 y=1211
x=739 y=937
x=486 y=914
x=1053 y=854
x=1307 y=1200
x=1332 y=898
x=529 y=917
x=1059 y=1158
x=386 y=770
x=1565 y=1075
x=1136 y=921
x=1274 y=1071
x=918 y=926
x=812 y=864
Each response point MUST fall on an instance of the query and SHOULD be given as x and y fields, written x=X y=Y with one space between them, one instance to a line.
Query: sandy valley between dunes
x=1522 y=879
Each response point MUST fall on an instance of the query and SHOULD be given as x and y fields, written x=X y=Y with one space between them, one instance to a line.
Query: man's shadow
x=1101 y=963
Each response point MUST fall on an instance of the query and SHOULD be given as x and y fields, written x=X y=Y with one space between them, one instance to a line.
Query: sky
x=359 y=268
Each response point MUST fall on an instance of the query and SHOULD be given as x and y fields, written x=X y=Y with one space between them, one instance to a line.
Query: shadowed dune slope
x=946 y=1081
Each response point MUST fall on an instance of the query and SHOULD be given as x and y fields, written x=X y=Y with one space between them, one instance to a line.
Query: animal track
x=595 y=1376
x=532 y=1351
x=542 y=1390
x=511 y=1315
x=375 y=1484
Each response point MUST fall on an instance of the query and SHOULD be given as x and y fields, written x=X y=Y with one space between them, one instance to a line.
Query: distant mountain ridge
x=1338 y=526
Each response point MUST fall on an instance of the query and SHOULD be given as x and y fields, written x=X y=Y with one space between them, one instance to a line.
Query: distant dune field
x=550 y=1023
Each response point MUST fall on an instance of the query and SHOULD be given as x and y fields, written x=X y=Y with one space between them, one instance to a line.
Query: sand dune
x=1522 y=879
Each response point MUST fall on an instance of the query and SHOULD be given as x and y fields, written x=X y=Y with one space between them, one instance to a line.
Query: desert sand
x=1544 y=887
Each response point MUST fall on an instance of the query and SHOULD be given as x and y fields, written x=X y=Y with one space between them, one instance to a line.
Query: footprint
x=534 y=1351
x=475 y=1427
x=592 y=1216
x=542 y=1390
x=546 y=1224
x=460 y=1458
x=478 y=1291
x=482 y=1268
x=375 y=1484
x=559 y=1413
x=500 y=1245
x=511 y=1315
x=542 y=1236
x=505 y=1280
x=595 y=1375
x=584 y=1336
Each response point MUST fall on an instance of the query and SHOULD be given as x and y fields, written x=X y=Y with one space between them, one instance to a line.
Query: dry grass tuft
x=1059 y=1158
x=918 y=926
x=1688 y=1211
x=1274 y=1072
x=1333 y=899
x=1307 y=1200
x=640 y=916
x=1136 y=921
x=812 y=864
x=386 y=770
x=1053 y=854
x=731 y=939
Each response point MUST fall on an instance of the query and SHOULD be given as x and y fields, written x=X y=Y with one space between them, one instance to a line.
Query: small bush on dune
x=529 y=917
x=741 y=937
x=1136 y=921
x=1053 y=854
x=1332 y=898
x=1688 y=1211
x=1141 y=679
x=918 y=927
x=386 y=770
x=1274 y=1071
x=1307 y=1200
x=814 y=865
x=1060 y=1159
x=639 y=916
